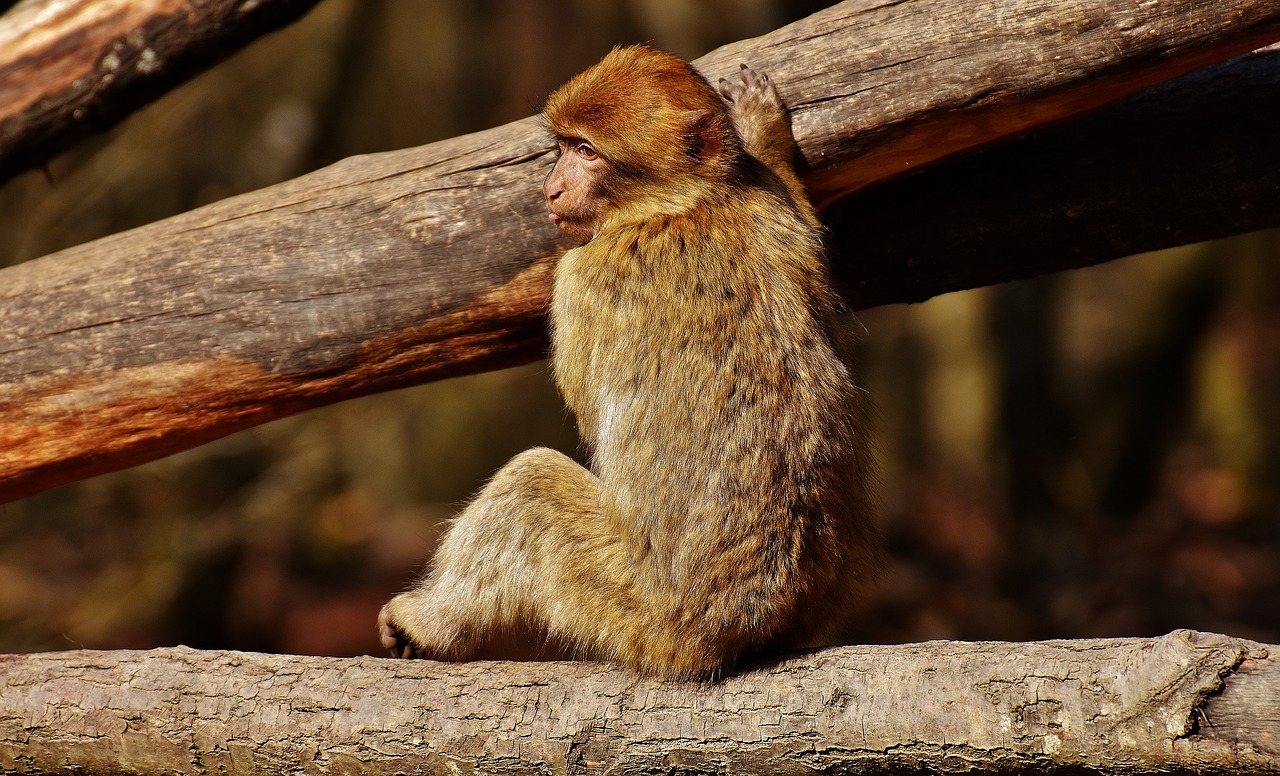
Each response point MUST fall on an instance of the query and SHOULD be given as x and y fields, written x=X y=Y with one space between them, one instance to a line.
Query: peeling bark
x=1108 y=705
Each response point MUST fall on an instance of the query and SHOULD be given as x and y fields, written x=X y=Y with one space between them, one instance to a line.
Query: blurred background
x=1095 y=453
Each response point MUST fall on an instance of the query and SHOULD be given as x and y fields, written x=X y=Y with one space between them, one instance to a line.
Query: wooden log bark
x=72 y=67
x=1186 y=702
x=397 y=268
x=1182 y=162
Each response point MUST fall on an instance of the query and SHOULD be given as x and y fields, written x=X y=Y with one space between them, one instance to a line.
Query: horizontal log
x=72 y=67
x=397 y=268
x=1186 y=702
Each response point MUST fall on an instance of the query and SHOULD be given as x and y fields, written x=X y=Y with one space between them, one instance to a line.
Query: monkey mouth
x=565 y=220
x=575 y=227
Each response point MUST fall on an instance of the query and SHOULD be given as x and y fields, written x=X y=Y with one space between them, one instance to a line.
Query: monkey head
x=639 y=134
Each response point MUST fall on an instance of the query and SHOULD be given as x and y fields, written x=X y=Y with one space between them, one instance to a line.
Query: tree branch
x=393 y=269
x=1184 y=702
x=72 y=67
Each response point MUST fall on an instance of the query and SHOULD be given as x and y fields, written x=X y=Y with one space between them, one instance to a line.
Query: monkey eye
x=585 y=150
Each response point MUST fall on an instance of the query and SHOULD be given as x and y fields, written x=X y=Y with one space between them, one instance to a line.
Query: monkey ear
x=704 y=136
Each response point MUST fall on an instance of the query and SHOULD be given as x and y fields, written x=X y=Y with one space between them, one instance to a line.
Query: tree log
x=72 y=67
x=1182 y=162
x=397 y=268
x=1186 y=702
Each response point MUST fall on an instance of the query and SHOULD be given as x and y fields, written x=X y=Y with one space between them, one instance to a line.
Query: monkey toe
x=395 y=642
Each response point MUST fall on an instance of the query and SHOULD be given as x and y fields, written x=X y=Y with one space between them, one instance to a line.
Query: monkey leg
x=500 y=569
x=535 y=555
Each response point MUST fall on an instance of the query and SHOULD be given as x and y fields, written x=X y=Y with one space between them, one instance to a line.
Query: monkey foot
x=396 y=642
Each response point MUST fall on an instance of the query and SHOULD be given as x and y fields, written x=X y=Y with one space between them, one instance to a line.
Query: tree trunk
x=72 y=67
x=1186 y=702
x=397 y=268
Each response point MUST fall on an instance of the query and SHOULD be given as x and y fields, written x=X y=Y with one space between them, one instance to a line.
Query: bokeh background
x=1086 y=454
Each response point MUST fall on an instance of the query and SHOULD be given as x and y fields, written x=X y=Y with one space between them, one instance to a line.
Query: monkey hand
x=751 y=92
x=758 y=115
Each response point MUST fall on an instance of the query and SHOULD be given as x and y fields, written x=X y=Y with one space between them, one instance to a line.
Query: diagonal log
x=1187 y=702
x=72 y=67
x=393 y=269
x=1181 y=162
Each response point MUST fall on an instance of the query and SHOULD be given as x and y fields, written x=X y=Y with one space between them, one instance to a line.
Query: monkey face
x=573 y=188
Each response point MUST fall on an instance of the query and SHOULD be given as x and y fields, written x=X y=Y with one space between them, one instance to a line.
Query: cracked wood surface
x=72 y=67
x=1184 y=702
x=392 y=269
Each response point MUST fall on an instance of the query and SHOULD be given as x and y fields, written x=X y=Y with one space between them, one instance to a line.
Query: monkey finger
x=725 y=89
x=733 y=92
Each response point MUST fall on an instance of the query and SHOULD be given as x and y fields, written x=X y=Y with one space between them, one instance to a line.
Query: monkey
x=725 y=509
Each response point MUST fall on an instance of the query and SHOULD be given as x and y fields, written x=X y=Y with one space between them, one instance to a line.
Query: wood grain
x=392 y=269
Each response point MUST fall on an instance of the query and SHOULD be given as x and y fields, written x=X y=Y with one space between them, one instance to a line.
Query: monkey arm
x=764 y=125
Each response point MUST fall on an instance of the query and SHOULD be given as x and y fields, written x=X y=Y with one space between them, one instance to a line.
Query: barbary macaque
x=725 y=510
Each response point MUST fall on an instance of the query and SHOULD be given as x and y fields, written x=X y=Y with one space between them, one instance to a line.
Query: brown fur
x=725 y=509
